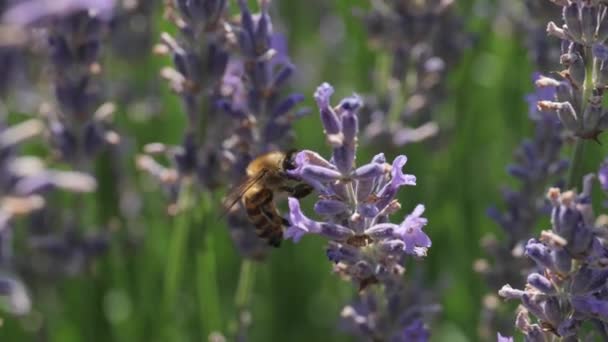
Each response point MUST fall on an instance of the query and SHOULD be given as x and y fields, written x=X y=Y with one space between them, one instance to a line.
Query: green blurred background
x=296 y=297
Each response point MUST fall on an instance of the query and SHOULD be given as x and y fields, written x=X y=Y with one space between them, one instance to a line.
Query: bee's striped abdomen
x=264 y=216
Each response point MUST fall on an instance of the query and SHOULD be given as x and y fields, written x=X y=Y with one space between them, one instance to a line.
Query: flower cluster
x=423 y=40
x=537 y=166
x=569 y=286
x=355 y=203
x=585 y=58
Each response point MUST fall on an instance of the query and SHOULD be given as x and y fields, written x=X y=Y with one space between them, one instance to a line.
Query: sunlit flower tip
x=299 y=224
x=322 y=95
x=541 y=283
x=500 y=338
x=510 y=293
x=591 y=306
x=329 y=118
x=540 y=253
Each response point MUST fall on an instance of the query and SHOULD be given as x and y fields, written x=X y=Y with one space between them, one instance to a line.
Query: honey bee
x=266 y=176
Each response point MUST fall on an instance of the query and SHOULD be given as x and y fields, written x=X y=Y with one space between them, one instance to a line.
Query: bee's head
x=288 y=161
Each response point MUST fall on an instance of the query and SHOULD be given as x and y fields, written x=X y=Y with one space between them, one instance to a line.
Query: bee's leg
x=299 y=191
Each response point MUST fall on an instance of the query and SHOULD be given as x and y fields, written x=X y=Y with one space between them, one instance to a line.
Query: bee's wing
x=237 y=192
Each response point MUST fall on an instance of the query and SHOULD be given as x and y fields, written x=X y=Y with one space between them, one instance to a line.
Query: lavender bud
x=541 y=283
x=344 y=157
x=567 y=115
x=322 y=174
x=540 y=254
x=329 y=118
x=330 y=207
x=576 y=68
x=510 y=293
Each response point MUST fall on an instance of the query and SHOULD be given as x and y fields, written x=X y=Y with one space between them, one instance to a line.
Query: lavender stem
x=179 y=238
x=206 y=277
x=574 y=172
x=244 y=291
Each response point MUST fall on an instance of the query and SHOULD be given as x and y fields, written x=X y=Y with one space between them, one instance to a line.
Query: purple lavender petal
x=382 y=231
x=321 y=174
x=329 y=118
x=372 y=170
x=500 y=338
x=300 y=224
x=410 y=231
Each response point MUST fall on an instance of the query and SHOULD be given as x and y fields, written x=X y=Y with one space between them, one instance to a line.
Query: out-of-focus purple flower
x=32 y=11
x=24 y=181
x=537 y=166
x=500 y=338
x=422 y=42
x=415 y=332
x=602 y=175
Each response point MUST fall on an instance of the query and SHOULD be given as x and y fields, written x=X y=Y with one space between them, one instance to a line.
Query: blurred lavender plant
x=584 y=55
x=231 y=87
x=77 y=123
x=538 y=165
x=355 y=204
x=423 y=40
x=24 y=182
x=528 y=20
x=566 y=295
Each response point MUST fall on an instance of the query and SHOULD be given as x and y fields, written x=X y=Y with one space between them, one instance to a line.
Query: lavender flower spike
x=568 y=287
x=355 y=203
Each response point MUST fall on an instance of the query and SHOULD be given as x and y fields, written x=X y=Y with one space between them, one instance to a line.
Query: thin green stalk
x=177 y=246
x=245 y=285
x=576 y=167
x=244 y=291
x=208 y=291
x=206 y=275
